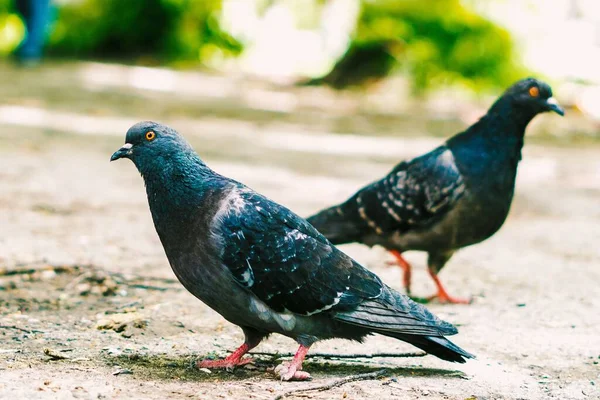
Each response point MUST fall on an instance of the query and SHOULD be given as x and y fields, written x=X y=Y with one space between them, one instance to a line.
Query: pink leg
x=442 y=295
x=231 y=361
x=292 y=371
x=406 y=267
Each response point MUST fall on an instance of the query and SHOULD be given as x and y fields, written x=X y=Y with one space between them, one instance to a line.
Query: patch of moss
x=345 y=369
x=149 y=367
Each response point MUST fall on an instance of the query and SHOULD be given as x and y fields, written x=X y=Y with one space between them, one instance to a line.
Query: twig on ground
x=138 y=282
x=147 y=287
x=77 y=280
x=130 y=279
x=159 y=279
x=342 y=356
x=339 y=382
x=120 y=278
x=32 y=269
x=55 y=355
x=30 y=331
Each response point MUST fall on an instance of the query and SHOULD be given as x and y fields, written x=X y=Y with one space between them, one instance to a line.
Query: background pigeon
x=261 y=266
x=457 y=195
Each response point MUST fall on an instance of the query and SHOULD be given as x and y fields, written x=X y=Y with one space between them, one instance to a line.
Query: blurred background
x=381 y=60
x=305 y=101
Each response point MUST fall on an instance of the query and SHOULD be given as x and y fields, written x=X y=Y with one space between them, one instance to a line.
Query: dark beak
x=123 y=152
x=552 y=105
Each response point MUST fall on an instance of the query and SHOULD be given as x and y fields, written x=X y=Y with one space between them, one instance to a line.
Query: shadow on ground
x=182 y=368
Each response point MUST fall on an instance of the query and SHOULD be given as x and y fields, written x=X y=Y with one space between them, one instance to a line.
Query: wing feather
x=290 y=266
x=284 y=261
x=414 y=194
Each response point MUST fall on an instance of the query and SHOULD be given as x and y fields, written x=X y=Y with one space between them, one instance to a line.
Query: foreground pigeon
x=457 y=195
x=261 y=266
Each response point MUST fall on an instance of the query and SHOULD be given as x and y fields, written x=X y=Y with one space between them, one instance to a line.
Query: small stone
x=84 y=289
x=140 y=323
x=47 y=275
x=123 y=371
x=7 y=285
x=205 y=370
x=55 y=355
x=113 y=351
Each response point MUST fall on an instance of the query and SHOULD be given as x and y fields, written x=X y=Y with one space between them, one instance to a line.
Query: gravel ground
x=89 y=307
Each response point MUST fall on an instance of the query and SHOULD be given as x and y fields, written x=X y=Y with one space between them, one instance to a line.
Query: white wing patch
x=327 y=307
x=295 y=234
x=232 y=203
x=447 y=158
x=248 y=276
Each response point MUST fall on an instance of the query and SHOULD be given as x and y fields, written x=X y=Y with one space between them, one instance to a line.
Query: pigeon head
x=532 y=96
x=150 y=144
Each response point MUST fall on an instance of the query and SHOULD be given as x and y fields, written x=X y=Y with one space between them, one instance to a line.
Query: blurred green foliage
x=12 y=29
x=169 y=30
x=435 y=42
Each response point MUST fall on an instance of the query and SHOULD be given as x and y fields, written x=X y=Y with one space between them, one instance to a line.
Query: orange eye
x=150 y=136
x=534 y=91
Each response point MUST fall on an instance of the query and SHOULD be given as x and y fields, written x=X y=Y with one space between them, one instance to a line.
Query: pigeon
x=457 y=195
x=262 y=267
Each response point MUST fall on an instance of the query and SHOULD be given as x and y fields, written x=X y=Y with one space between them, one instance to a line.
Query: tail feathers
x=438 y=346
x=336 y=225
x=395 y=315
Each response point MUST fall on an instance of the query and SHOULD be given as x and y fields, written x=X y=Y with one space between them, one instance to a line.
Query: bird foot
x=445 y=298
x=225 y=363
x=289 y=371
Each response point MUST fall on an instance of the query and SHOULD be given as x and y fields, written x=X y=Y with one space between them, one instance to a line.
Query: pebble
x=48 y=274
x=123 y=371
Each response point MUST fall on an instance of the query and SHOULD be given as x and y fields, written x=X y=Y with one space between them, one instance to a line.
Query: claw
x=442 y=295
x=230 y=362
x=445 y=298
x=288 y=371
x=292 y=370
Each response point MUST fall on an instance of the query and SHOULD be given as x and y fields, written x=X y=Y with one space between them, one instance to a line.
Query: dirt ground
x=89 y=307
